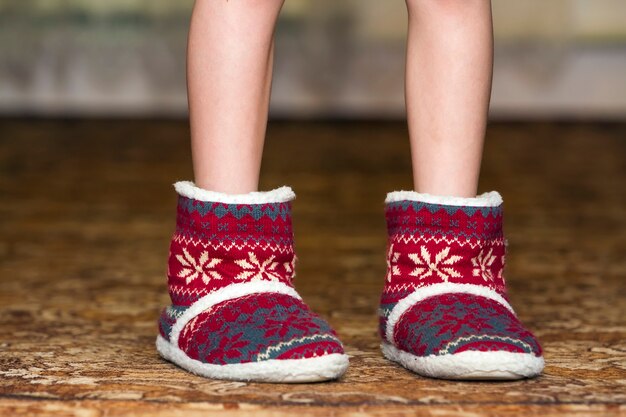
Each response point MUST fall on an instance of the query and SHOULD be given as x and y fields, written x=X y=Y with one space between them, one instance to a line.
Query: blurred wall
x=557 y=58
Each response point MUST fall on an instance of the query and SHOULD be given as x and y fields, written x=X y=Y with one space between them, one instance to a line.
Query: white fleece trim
x=228 y=293
x=489 y=199
x=190 y=190
x=469 y=364
x=428 y=291
x=321 y=368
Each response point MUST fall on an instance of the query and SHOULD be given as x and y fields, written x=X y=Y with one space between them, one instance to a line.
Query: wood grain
x=87 y=210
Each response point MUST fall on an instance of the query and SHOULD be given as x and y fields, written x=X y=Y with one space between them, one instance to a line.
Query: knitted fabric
x=217 y=245
x=450 y=258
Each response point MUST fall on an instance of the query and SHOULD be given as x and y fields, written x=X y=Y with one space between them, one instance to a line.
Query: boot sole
x=321 y=368
x=469 y=365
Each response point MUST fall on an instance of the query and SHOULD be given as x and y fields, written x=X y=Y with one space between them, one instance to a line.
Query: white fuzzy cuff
x=190 y=190
x=490 y=199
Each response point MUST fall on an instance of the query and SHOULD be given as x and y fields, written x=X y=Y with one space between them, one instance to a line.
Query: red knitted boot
x=444 y=312
x=235 y=313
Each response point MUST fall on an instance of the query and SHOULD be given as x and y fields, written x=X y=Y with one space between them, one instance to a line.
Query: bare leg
x=229 y=72
x=447 y=91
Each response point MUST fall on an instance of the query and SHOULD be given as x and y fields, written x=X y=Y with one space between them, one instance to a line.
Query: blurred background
x=554 y=59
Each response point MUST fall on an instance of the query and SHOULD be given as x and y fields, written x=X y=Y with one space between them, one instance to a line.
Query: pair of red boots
x=443 y=313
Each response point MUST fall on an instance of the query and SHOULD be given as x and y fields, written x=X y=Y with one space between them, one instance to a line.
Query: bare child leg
x=229 y=72
x=444 y=311
x=448 y=85
x=235 y=313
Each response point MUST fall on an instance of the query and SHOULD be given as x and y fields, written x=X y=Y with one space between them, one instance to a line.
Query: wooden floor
x=87 y=209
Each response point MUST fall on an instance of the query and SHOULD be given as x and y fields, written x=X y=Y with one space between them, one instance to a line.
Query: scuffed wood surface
x=87 y=210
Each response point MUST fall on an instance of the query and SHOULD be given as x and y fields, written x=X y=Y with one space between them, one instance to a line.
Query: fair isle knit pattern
x=450 y=259
x=216 y=244
x=220 y=245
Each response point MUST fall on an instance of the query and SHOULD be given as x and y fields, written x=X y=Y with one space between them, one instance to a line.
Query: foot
x=235 y=313
x=444 y=311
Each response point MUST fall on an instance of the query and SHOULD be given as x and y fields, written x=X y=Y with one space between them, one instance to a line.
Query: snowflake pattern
x=482 y=265
x=254 y=270
x=198 y=268
x=392 y=267
x=290 y=267
x=501 y=270
x=441 y=265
